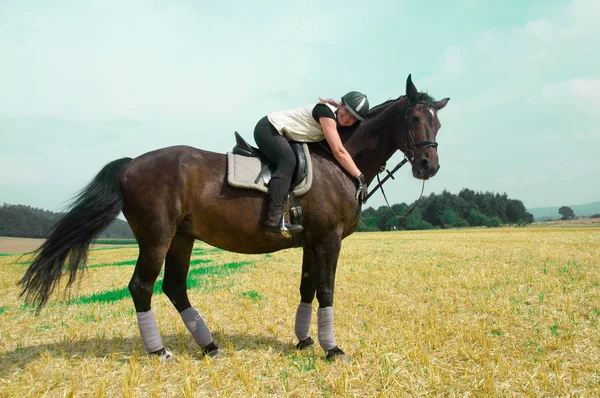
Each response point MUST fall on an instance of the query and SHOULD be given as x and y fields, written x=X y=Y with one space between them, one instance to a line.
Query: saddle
x=249 y=168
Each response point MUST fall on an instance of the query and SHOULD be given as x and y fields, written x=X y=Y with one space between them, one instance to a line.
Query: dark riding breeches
x=278 y=150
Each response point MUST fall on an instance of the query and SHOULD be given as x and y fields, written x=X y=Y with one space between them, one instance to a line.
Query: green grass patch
x=252 y=295
x=194 y=282
x=5 y=254
x=304 y=363
x=2 y=309
x=105 y=297
x=200 y=261
x=198 y=251
x=97 y=249
x=497 y=332
x=117 y=264
x=115 y=242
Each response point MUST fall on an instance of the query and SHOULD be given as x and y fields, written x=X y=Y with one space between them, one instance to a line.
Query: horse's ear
x=411 y=90
x=440 y=104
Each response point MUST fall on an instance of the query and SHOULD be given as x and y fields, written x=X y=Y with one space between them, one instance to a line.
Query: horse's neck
x=373 y=142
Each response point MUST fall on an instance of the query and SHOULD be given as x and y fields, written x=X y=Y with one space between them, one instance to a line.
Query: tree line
x=446 y=210
x=21 y=221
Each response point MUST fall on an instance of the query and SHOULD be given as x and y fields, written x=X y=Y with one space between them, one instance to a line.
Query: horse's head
x=417 y=138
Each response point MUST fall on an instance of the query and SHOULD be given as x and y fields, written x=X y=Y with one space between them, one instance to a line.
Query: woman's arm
x=335 y=143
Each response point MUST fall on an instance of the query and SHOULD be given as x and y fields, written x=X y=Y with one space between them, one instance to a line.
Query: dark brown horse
x=175 y=195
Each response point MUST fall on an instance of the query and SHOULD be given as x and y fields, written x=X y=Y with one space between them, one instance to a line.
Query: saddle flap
x=300 y=170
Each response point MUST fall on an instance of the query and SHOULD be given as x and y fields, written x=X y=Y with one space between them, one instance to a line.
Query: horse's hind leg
x=141 y=286
x=177 y=266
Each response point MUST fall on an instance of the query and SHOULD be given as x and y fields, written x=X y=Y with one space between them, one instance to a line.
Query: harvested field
x=483 y=312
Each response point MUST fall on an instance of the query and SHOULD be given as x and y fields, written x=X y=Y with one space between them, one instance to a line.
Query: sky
x=84 y=83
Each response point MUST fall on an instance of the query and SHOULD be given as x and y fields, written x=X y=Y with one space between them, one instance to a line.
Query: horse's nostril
x=424 y=166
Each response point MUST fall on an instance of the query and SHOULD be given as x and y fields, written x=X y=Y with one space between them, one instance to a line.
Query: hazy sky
x=86 y=82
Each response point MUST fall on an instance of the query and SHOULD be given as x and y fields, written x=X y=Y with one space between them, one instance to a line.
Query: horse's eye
x=415 y=119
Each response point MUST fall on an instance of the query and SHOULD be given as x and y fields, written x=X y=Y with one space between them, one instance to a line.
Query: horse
x=175 y=195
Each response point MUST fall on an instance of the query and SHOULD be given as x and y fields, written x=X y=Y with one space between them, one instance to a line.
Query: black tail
x=92 y=211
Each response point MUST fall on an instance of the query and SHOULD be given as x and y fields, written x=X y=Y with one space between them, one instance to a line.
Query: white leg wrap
x=303 y=315
x=326 y=337
x=195 y=324
x=149 y=331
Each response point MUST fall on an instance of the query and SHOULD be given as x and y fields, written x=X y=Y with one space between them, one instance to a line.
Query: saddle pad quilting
x=242 y=172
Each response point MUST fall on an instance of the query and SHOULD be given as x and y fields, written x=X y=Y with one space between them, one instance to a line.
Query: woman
x=311 y=123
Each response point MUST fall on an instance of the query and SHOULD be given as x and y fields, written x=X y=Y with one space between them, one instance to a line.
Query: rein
x=390 y=174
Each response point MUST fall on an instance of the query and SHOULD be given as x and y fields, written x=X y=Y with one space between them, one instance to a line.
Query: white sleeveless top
x=299 y=124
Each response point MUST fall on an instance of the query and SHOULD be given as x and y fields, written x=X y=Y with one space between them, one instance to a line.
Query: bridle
x=410 y=139
x=409 y=156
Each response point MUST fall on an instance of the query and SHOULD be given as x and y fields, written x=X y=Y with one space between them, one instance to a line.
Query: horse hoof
x=212 y=351
x=164 y=355
x=336 y=354
x=167 y=356
x=304 y=344
x=215 y=354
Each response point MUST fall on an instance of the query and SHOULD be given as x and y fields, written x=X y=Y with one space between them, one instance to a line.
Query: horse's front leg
x=307 y=295
x=325 y=256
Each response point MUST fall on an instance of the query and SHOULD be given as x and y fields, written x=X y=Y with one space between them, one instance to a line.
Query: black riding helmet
x=357 y=103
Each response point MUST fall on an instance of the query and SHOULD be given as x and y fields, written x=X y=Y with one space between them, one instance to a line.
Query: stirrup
x=284 y=229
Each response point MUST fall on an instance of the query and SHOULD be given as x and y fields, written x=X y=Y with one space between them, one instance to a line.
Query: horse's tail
x=92 y=211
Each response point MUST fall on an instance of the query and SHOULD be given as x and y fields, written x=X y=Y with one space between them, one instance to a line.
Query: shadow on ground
x=122 y=348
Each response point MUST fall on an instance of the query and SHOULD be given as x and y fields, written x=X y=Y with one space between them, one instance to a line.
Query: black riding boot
x=275 y=222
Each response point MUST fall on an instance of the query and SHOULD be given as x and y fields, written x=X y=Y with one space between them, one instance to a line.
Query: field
x=480 y=312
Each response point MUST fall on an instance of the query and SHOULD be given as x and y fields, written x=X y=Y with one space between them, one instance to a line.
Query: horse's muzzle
x=424 y=167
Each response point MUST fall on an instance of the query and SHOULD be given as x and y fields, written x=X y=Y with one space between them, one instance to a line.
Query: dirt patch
x=586 y=222
x=19 y=245
x=24 y=245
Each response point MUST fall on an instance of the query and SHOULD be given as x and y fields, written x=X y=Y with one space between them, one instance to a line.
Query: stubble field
x=481 y=312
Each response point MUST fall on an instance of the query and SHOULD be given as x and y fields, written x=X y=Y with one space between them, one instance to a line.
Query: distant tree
x=368 y=224
x=369 y=212
x=567 y=213
x=443 y=210
x=493 y=221
x=515 y=211
x=527 y=218
x=449 y=218
x=383 y=215
x=392 y=224
x=28 y=222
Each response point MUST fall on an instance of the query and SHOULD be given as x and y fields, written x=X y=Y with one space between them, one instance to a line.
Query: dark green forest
x=29 y=222
x=446 y=210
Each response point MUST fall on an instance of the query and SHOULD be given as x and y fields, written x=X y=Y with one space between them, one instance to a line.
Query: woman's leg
x=277 y=149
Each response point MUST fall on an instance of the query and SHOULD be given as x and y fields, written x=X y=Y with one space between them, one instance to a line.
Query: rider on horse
x=311 y=123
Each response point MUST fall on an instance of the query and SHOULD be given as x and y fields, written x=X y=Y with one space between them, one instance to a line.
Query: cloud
x=540 y=29
x=581 y=19
x=452 y=62
x=578 y=91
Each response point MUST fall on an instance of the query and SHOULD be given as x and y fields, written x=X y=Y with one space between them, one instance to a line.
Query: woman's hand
x=361 y=188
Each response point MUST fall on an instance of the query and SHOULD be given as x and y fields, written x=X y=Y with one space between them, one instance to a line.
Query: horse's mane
x=376 y=110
